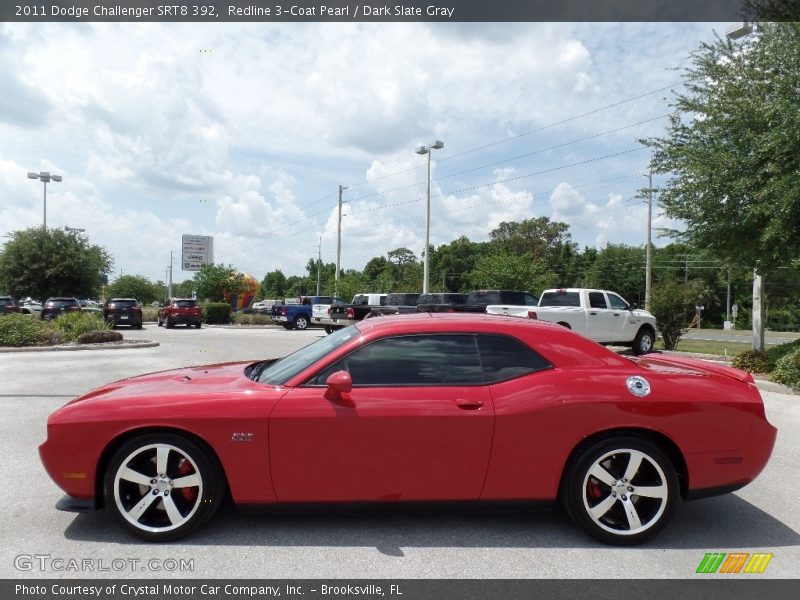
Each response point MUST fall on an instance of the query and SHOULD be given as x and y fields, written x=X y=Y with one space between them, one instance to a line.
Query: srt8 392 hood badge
x=638 y=386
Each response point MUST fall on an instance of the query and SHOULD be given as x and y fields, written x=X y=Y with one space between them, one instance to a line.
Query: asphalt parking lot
x=762 y=517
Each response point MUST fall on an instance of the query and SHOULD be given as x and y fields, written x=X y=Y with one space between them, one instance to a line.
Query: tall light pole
x=437 y=145
x=735 y=33
x=44 y=177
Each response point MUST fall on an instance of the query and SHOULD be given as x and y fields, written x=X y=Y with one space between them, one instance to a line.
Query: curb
x=106 y=346
x=778 y=388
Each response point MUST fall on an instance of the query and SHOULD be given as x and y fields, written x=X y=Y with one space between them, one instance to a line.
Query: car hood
x=226 y=378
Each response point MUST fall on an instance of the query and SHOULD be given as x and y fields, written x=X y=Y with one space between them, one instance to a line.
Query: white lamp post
x=44 y=177
x=437 y=145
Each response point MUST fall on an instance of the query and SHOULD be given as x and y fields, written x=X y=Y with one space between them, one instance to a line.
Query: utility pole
x=338 y=244
x=169 y=284
x=319 y=263
x=758 y=311
x=728 y=302
x=649 y=255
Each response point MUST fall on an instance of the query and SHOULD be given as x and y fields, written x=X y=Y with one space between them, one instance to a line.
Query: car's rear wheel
x=329 y=330
x=169 y=324
x=163 y=486
x=198 y=325
x=621 y=490
x=301 y=322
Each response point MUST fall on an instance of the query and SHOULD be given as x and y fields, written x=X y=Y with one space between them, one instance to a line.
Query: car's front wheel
x=644 y=341
x=163 y=486
x=621 y=490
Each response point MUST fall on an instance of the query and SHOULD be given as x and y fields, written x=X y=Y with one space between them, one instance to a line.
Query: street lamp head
x=33 y=175
x=421 y=150
x=438 y=145
x=56 y=178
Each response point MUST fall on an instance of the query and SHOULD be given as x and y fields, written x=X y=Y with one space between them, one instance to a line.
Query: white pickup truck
x=600 y=315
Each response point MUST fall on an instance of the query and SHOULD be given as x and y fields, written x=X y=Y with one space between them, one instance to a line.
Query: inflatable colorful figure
x=245 y=298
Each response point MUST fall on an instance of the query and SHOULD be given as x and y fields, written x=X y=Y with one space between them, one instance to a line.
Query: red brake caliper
x=595 y=493
x=185 y=468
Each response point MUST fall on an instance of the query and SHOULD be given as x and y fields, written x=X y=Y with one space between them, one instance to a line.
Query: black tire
x=301 y=322
x=565 y=325
x=621 y=516
x=190 y=506
x=644 y=341
x=138 y=326
x=198 y=325
x=329 y=330
x=169 y=324
x=287 y=325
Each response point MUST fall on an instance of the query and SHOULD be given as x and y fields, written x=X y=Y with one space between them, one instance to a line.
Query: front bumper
x=76 y=505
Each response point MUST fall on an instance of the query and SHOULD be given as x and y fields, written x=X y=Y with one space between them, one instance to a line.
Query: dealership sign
x=198 y=250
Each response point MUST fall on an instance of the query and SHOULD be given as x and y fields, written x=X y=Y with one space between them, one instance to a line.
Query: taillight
x=351 y=313
x=532 y=314
x=283 y=311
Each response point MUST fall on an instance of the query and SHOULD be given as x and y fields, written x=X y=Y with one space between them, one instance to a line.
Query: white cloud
x=156 y=138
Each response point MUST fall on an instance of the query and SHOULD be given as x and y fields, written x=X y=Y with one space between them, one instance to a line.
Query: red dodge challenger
x=416 y=408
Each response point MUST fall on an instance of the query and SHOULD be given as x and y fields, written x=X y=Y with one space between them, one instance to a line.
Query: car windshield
x=7 y=301
x=282 y=371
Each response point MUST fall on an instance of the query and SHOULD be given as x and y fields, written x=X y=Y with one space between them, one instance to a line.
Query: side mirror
x=340 y=384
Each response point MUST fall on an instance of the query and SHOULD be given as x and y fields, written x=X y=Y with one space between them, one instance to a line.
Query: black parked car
x=123 y=311
x=57 y=306
x=7 y=305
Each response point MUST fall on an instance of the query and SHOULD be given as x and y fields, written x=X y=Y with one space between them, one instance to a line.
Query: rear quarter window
x=560 y=299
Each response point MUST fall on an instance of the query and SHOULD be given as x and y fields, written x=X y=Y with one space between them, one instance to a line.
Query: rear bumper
x=184 y=319
x=328 y=322
x=124 y=319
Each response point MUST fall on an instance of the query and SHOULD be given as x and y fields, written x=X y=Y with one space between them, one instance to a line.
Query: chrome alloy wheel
x=625 y=492
x=158 y=488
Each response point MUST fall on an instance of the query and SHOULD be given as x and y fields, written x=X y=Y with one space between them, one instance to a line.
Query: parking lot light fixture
x=422 y=150
x=44 y=177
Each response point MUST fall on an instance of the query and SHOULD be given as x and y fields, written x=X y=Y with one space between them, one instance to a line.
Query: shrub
x=753 y=361
x=787 y=371
x=74 y=324
x=217 y=313
x=149 y=313
x=673 y=304
x=99 y=337
x=24 y=330
x=241 y=318
x=777 y=352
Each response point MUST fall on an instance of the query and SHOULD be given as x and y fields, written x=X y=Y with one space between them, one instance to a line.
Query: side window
x=505 y=358
x=417 y=360
x=597 y=300
x=530 y=299
x=617 y=303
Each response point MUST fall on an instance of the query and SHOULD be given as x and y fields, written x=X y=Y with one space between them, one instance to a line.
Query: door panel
x=385 y=444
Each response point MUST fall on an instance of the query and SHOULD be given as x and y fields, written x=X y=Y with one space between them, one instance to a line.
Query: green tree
x=273 y=285
x=54 y=262
x=506 y=271
x=733 y=149
x=452 y=262
x=212 y=281
x=133 y=286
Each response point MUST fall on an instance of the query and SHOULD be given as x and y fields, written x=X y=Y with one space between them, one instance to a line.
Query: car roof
x=425 y=322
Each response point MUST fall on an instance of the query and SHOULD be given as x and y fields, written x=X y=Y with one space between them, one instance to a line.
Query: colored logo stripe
x=714 y=562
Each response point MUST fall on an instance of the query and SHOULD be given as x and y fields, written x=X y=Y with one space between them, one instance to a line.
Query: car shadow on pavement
x=724 y=522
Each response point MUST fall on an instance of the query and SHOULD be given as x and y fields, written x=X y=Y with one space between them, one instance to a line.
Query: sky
x=244 y=132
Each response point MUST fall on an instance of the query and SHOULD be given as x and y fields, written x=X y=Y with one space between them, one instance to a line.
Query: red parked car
x=433 y=407
x=180 y=311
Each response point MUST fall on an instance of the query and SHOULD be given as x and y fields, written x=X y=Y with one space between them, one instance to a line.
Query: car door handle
x=465 y=404
x=591 y=313
x=616 y=314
